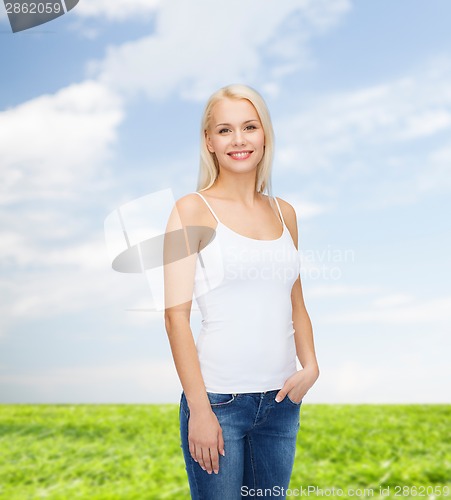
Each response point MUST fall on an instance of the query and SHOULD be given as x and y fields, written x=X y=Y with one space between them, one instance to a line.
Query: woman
x=242 y=391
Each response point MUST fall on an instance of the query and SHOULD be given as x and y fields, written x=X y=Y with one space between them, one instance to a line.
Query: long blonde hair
x=209 y=167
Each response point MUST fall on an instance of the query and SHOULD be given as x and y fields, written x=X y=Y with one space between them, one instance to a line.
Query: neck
x=237 y=187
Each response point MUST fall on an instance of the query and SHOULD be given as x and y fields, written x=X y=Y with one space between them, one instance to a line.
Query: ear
x=208 y=141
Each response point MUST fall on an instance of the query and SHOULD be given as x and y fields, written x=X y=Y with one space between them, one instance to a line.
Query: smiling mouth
x=240 y=155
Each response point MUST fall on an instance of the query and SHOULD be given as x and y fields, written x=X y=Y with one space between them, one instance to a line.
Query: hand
x=205 y=440
x=298 y=385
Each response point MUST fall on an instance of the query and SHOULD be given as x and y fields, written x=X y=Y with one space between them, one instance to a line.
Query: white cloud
x=47 y=294
x=402 y=110
x=119 y=10
x=52 y=149
x=324 y=264
x=54 y=263
x=25 y=249
x=67 y=279
x=322 y=291
x=196 y=48
x=370 y=137
x=436 y=176
x=51 y=145
x=430 y=311
x=393 y=300
x=307 y=209
x=400 y=382
x=304 y=209
x=425 y=123
x=140 y=381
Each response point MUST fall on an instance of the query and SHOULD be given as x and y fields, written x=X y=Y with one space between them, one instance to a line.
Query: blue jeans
x=259 y=443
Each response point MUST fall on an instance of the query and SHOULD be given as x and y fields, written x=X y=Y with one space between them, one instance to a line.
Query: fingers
x=214 y=456
x=206 y=461
x=208 y=457
x=281 y=395
x=214 y=452
x=199 y=455
x=221 y=443
x=192 y=450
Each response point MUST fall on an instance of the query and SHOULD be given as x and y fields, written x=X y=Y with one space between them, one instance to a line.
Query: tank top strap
x=208 y=205
x=280 y=211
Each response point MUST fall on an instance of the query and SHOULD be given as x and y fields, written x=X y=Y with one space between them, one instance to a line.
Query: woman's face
x=236 y=135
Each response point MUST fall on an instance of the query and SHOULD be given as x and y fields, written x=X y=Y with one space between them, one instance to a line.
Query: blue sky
x=102 y=106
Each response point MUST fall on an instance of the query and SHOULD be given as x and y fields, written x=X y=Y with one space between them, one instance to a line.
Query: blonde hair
x=209 y=167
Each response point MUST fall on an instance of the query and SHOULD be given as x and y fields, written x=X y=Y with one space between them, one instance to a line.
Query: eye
x=251 y=127
x=223 y=130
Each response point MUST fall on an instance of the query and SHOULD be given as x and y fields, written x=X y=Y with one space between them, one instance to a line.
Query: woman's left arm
x=299 y=383
x=305 y=346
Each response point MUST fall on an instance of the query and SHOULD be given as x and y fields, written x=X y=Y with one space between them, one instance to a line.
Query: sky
x=101 y=107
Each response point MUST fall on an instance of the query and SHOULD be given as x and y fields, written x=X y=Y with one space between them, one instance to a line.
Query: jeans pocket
x=293 y=402
x=219 y=399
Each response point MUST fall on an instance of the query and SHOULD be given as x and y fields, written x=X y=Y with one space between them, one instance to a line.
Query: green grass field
x=133 y=452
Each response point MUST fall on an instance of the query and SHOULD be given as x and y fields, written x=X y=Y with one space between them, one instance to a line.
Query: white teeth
x=240 y=155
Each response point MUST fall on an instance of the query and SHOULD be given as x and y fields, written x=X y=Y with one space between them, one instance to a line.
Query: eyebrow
x=229 y=125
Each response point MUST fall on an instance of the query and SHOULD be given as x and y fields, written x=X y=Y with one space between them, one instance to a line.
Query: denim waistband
x=273 y=391
x=263 y=393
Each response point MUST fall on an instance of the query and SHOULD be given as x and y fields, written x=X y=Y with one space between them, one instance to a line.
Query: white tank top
x=243 y=289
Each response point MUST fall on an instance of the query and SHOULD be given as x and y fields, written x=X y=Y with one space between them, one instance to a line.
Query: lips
x=240 y=155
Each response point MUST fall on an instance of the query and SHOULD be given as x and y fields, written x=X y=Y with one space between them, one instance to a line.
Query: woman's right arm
x=182 y=239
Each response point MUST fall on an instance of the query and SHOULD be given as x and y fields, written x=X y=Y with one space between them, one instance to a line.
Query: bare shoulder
x=288 y=212
x=190 y=209
x=191 y=213
x=184 y=230
x=289 y=215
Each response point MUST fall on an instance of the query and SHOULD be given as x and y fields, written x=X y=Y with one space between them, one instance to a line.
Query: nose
x=239 y=139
